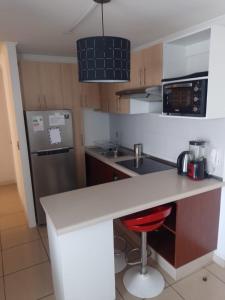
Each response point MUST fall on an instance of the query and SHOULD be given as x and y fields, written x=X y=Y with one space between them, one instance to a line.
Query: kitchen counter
x=80 y=226
x=84 y=207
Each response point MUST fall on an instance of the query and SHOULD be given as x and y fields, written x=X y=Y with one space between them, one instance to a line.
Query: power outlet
x=214 y=160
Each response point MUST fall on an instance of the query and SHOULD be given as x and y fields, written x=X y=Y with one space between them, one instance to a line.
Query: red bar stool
x=145 y=282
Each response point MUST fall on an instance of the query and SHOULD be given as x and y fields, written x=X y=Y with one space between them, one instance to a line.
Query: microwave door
x=178 y=98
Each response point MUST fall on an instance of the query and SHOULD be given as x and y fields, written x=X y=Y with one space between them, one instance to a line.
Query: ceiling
x=43 y=26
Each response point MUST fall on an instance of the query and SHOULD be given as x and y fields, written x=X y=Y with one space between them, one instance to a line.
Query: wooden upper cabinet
x=90 y=95
x=152 y=59
x=30 y=85
x=136 y=70
x=105 y=96
x=147 y=66
x=112 y=103
x=70 y=86
x=51 y=85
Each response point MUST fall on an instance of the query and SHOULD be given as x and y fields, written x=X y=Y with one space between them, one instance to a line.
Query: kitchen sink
x=114 y=153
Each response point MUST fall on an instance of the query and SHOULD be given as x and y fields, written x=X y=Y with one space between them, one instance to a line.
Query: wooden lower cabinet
x=98 y=172
x=191 y=231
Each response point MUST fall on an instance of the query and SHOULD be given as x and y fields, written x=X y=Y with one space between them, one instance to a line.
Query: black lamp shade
x=103 y=59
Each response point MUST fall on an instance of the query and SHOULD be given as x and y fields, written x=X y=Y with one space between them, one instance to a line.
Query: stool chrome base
x=147 y=285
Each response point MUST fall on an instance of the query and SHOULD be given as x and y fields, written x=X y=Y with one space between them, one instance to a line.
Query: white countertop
x=84 y=207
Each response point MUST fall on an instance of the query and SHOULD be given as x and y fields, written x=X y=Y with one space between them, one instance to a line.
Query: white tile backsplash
x=96 y=126
x=167 y=137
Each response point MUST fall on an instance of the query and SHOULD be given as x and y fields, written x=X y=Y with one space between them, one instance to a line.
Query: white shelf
x=182 y=117
x=199 y=52
x=186 y=55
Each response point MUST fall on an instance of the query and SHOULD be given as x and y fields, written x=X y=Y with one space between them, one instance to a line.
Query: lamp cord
x=103 y=30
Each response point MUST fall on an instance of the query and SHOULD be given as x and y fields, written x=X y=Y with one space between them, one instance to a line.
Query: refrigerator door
x=53 y=172
x=49 y=130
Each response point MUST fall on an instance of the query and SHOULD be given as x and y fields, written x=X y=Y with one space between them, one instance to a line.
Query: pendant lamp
x=103 y=58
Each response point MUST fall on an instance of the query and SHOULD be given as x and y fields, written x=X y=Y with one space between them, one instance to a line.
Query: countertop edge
x=139 y=208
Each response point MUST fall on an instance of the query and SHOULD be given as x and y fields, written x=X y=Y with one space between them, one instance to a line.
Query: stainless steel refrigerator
x=51 y=153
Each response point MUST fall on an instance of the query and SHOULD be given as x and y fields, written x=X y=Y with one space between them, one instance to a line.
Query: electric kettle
x=182 y=162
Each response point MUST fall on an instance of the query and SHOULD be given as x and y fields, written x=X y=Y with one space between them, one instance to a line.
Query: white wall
x=9 y=66
x=167 y=137
x=96 y=126
x=7 y=174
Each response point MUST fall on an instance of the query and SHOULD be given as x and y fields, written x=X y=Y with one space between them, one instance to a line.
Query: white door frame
x=10 y=73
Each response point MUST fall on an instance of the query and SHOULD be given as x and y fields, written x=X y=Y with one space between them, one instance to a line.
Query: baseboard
x=8 y=182
x=185 y=270
x=176 y=274
x=218 y=260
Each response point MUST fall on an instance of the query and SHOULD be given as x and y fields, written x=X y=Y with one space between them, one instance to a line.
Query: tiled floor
x=25 y=272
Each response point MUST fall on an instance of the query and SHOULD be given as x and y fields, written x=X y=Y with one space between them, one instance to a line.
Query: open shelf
x=170 y=222
x=163 y=242
x=188 y=54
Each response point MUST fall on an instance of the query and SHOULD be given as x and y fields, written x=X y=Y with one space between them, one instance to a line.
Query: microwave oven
x=186 y=96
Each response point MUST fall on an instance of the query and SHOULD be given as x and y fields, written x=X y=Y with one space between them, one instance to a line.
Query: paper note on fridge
x=54 y=136
x=37 y=123
x=57 y=119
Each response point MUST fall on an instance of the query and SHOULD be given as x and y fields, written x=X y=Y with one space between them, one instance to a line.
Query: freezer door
x=52 y=173
x=39 y=129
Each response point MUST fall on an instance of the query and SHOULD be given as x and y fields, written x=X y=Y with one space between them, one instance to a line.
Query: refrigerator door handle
x=52 y=152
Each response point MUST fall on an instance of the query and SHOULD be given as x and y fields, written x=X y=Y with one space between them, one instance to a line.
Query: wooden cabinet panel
x=69 y=85
x=123 y=106
x=112 y=103
x=98 y=172
x=136 y=74
x=51 y=85
x=152 y=65
x=197 y=226
x=105 y=96
x=80 y=167
x=108 y=97
x=113 y=100
x=191 y=231
x=78 y=127
x=30 y=85
x=90 y=95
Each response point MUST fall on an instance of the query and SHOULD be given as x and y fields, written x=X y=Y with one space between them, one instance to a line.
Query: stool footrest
x=138 y=250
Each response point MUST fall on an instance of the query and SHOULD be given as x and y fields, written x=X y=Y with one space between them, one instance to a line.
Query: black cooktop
x=144 y=165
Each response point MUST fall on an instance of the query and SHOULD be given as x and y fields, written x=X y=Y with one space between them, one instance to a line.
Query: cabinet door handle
x=115 y=178
x=39 y=100
x=144 y=76
x=140 y=75
x=117 y=104
x=45 y=102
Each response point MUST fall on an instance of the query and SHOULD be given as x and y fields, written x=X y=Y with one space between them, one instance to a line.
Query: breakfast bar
x=80 y=228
